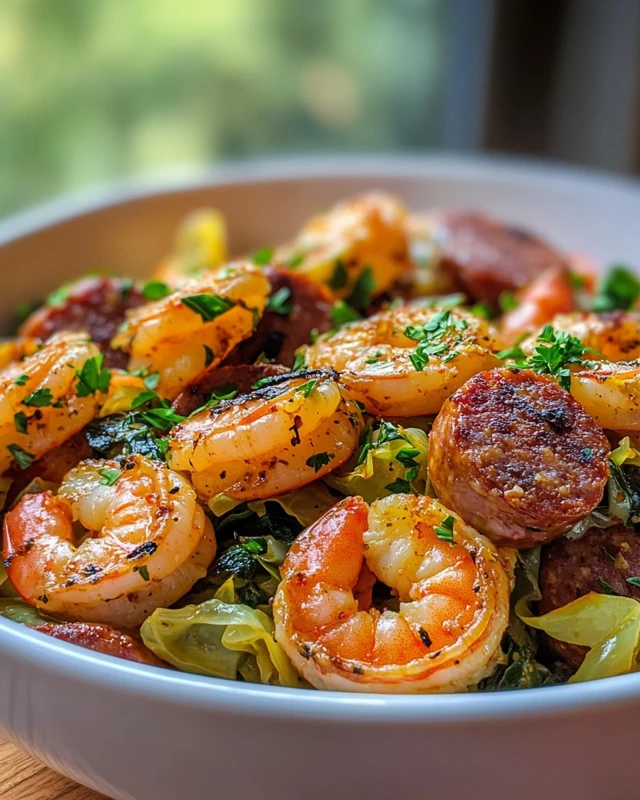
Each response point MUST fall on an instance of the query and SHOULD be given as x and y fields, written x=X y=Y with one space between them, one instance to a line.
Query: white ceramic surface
x=148 y=734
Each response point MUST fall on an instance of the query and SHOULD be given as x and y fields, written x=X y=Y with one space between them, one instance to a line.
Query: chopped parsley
x=435 y=338
x=620 y=289
x=482 y=310
x=508 y=301
x=295 y=261
x=262 y=256
x=363 y=289
x=226 y=391
x=21 y=422
x=308 y=387
x=39 y=399
x=319 y=460
x=633 y=581
x=208 y=356
x=280 y=302
x=209 y=306
x=93 y=377
x=21 y=380
x=155 y=290
x=399 y=486
x=152 y=381
x=374 y=358
x=555 y=351
x=298 y=363
x=22 y=459
x=314 y=335
x=445 y=531
x=144 y=572
x=109 y=476
x=342 y=312
x=576 y=280
x=340 y=276
x=607 y=588
x=59 y=296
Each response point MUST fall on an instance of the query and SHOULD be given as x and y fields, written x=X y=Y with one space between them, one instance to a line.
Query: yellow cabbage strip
x=608 y=625
x=626 y=453
x=306 y=504
x=220 y=638
x=201 y=244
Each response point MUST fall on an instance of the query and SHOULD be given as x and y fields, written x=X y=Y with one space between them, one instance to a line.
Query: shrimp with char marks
x=145 y=542
x=41 y=404
x=406 y=361
x=296 y=429
x=451 y=582
x=193 y=329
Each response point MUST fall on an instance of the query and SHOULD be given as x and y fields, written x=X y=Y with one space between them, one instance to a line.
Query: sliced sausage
x=103 y=639
x=483 y=257
x=598 y=560
x=240 y=379
x=305 y=308
x=517 y=457
x=94 y=304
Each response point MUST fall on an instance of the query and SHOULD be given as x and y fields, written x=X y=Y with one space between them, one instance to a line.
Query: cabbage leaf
x=222 y=639
x=607 y=624
x=18 y=610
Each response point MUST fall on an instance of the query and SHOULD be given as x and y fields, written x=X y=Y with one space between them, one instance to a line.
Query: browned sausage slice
x=517 y=457
x=305 y=306
x=483 y=257
x=103 y=639
x=93 y=304
x=240 y=378
x=572 y=568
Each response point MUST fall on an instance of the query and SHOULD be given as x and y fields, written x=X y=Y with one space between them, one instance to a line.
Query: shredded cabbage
x=306 y=504
x=220 y=638
x=390 y=460
x=608 y=625
x=626 y=453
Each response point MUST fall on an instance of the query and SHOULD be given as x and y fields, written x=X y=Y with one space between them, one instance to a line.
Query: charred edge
x=145 y=549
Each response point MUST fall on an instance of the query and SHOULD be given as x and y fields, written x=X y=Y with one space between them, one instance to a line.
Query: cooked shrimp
x=40 y=404
x=406 y=361
x=145 y=543
x=193 y=329
x=549 y=294
x=451 y=583
x=16 y=349
x=614 y=335
x=201 y=245
x=336 y=247
x=610 y=393
x=285 y=435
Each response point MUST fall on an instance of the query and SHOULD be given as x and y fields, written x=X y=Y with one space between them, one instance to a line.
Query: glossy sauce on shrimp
x=451 y=583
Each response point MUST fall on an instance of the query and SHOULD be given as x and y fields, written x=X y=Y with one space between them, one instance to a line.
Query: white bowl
x=138 y=732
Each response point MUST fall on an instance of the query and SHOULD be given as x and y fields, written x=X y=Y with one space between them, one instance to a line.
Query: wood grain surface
x=24 y=778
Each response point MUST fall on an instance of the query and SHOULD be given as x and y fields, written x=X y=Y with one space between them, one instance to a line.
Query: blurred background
x=94 y=90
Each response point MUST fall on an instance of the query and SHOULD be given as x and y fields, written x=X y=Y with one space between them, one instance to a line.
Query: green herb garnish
x=319 y=460
x=155 y=290
x=110 y=476
x=93 y=377
x=280 y=302
x=21 y=422
x=22 y=459
x=21 y=380
x=308 y=387
x=619 y=290
x=298 y=362
x=209 y=306
x=633 y=581
x=399 y=486
x=208 y=356
x=262 y=256
x=39 y=399
x=445 y=531
x=342 y=313
x=340 y=276
x=363 y=289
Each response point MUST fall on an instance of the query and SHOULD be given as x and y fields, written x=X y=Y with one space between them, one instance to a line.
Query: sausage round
x=517 y=457
x=240 y=378
x=102 y=639
x=570 y=569
x=483 y=257
x=307 y=307
x=94 y=304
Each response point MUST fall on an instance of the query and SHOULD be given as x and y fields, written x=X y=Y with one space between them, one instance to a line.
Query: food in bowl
x=396 y=454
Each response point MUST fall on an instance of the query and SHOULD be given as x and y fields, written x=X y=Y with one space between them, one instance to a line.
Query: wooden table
x=24 y=778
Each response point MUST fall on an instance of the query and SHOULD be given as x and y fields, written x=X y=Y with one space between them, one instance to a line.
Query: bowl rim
x=41 y=652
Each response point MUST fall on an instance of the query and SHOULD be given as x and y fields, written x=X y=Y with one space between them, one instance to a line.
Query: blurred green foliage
x=96 y=89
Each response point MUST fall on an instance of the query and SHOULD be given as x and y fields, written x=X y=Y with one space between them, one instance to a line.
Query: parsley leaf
x=363 y=289
x=280 y=302
x=340 y=276
x=93 y=377
x=295 y=261
x=435 y=338
x=399 y=486
x=507 y=301
x=262 y=256
x=22 y=459
x=152 y=381
x=620 y=289
x=21 y=380
x=144 y=572
x=209 y=306
x=445 y=531
x=39 y=399
x=110 y=476
x=59 y=296
x=208 y=356
x=298 y=363
x=307 y=387
x=155 y=290
x=607 y=588
x=633 y=581
x=21 y=422
x=342 y=312
x=319 y=460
